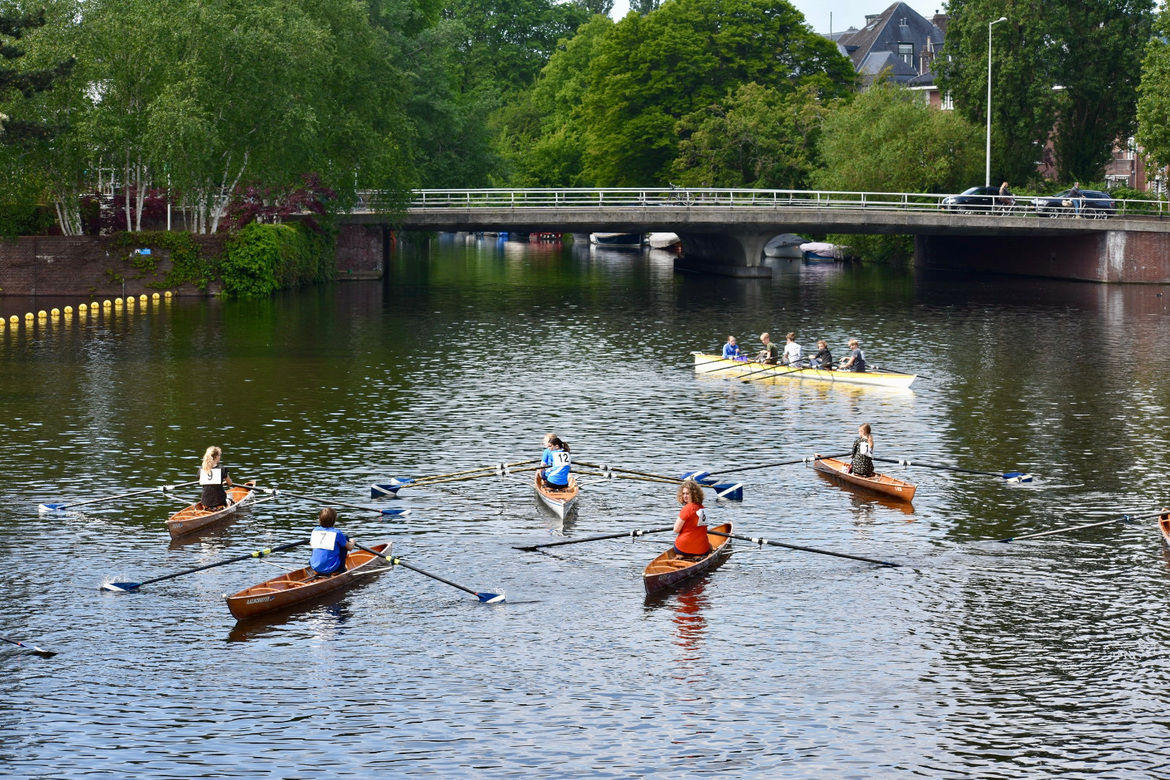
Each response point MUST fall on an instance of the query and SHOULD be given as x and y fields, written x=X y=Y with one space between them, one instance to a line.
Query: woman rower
x=556 y=457
x=213 y=477
x=691 y=525
x=863 y=453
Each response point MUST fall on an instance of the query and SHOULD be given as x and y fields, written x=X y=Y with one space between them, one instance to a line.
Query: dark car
x=980 y=200
x=1093 y=204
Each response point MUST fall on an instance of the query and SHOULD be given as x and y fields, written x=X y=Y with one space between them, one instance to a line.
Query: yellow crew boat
x=751 y=370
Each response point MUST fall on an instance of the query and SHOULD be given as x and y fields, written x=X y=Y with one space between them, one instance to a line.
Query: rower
x=862 y=464
x=556 y=457
x=856 y=359
x=731 y=349
x=824 y=358
x=212 y=478
x=691 y=526
x=792 y=351
x=769 y=354
x=330 y=546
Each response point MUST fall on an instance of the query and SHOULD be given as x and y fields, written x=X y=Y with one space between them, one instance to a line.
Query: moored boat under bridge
x=723 y=231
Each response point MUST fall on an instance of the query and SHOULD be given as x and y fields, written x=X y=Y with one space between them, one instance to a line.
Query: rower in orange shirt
x=691 y=525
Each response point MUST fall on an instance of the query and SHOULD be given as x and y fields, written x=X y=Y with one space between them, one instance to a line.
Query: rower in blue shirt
x=330 y=546
x=731 y=349
x=558 y=461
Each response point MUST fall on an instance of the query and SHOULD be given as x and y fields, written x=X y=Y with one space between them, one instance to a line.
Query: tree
x=650 y=71
x=888 y=140
x=756 y=137
x=24 y=81
x=1153 y=108
x=1088 y=49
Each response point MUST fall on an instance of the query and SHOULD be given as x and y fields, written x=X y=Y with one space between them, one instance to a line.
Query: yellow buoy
x=28 y=317
x=129 y=302
x=14 y=320
x=55 y=312
x=155 y=296
x=42 y=314
x=168 y=293
x=117 y=303
x=68 y=309
x=107 y=303
x=142 y=297
x=81 y=307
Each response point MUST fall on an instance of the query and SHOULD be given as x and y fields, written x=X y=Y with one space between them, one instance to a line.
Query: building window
x=906 y=53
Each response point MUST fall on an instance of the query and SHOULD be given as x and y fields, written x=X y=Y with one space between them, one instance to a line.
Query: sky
x=845 y=12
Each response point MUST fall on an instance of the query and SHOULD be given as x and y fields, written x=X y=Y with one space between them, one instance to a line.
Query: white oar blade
x=1016 y=476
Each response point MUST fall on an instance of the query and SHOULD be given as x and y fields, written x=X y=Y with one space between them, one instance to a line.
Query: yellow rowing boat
x=747 y=369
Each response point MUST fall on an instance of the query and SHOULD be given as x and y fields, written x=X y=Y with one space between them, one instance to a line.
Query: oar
x=401 y=481
x=163 y=488
x=397 y=483
x=732 y=491
x=126 y=587
x=879 y=370
x=632 y=534
x=486 y=598
x=331 y=502
x=1010 y=476
x=38 y=650
x=799 y=547
x=699 y=476
x=714 y=360
x=1122 y=519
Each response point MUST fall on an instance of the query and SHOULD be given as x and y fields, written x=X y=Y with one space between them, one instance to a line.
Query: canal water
x=973 y=659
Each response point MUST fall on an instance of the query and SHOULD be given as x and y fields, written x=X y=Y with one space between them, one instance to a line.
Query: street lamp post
x=987 y=156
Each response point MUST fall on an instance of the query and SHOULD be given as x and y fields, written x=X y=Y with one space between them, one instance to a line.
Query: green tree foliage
x=756 y=137
x=651 y=71
x=260 y=259
x=1153 y=108
x=27 y=81
x=888 y=140
x=1091 y=48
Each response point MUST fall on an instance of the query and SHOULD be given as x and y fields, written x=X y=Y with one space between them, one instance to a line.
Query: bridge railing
x=708 y=197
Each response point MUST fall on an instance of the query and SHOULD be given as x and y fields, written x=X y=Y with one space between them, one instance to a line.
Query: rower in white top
x=792 y=352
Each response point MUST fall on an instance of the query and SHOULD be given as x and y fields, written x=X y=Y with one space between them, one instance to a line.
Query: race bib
x=561 y=458
x=701 y=516
x=213 y=477
x=323 y=540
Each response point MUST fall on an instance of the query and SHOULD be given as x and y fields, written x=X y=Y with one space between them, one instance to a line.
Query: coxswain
x=731 y=349
x=557 y=461
x=212 y=478
x=691 y=525
x=330 y=546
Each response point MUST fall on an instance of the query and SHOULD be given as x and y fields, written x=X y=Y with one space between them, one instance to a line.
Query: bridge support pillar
x=725 y=254
x=1103 y=256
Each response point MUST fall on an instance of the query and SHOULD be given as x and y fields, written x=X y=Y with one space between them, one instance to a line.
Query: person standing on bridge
x=770 y=353
x=1076 y=196
x=1005 y=200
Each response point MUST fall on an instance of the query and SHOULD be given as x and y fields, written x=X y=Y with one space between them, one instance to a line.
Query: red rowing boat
x=302 y=584
x=197 y=517
x=878 y=483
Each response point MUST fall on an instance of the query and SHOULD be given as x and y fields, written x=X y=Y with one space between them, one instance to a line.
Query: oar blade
x=388 y=489
x=43 y=508
x=42 y=652
x=394 y=512
x=1017 y=476
x=729 y=491
x=121 y=587
x=702 y=477
x=492 y=598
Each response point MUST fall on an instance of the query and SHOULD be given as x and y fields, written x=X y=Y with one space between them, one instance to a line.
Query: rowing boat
x=731 y=369
x=1164 y=525
x=668 y=569
x=197 y=517
x=303 y=584
x=559 y=501
x=878 y=483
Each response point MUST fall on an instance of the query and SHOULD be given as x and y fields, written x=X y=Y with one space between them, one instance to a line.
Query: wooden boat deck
x=196 y=517
x=668 y=569
x=878 y=483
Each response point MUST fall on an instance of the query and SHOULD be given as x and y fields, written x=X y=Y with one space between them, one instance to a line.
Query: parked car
x=1093 y=204
x=981 y=200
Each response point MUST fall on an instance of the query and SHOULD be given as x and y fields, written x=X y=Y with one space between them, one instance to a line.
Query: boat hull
x=630 y=240
x=878 y=483
x=559 y=501
x=196 y=518
x=1164 y=526
x=731 y=369
x=294 y=587
x=667 y=569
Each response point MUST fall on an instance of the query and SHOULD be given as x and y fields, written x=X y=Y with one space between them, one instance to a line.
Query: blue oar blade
x=120 y=587
x=492 y=598
x=698 y=476
x=1017 y=476
x=401 y=481
x=380 y=491
x=51 y=507
x=395 y=512
x=731 y=491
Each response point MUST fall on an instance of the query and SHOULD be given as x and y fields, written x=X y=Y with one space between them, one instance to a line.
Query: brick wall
x=360 y=252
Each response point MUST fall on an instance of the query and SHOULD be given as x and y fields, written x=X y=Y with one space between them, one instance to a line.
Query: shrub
x=261 y=259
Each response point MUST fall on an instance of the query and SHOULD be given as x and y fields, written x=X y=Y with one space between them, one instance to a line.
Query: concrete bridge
x=723 y=231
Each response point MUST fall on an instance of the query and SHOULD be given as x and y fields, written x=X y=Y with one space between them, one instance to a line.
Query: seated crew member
x=824 y=358
x=770 y=353
x=793 y=355
x=330 y=546
x=558 y=461
x=862 y=464
x=691 y=525
x=856 y=359
x=212 y=478
x=731 y=349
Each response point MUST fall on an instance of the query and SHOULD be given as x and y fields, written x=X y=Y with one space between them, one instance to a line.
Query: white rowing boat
x=733 y=369
x=559 y=501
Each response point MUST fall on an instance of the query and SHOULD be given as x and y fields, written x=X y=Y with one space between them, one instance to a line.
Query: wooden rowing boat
x=1164 y=525
x=668 y=569
x=196 y=517
x=838 y=470
x=731 y=369
x=301 y=585
x=559 y=501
